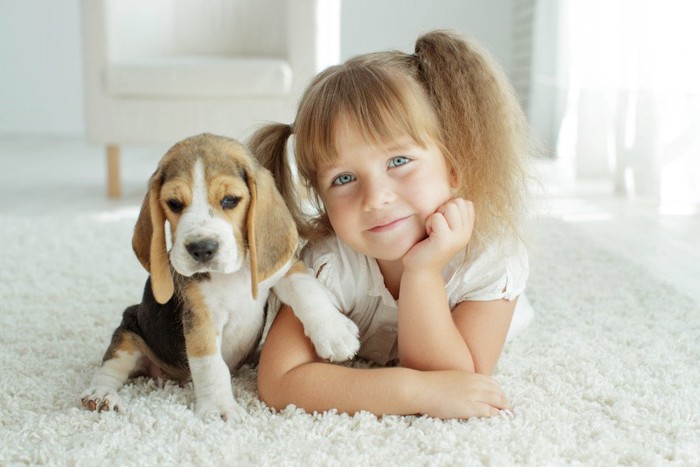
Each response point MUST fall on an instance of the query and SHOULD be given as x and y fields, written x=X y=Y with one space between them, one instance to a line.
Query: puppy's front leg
x=334 y=335
x=122 y=359
x=210 y=375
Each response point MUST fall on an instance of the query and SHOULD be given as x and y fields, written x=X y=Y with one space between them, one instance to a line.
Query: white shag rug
x=606 y=374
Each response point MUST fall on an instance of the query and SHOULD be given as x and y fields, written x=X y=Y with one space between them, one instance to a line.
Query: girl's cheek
x=333 y=210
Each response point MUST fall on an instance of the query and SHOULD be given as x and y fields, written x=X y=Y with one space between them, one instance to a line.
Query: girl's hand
x=460 y=394
x=449 y=230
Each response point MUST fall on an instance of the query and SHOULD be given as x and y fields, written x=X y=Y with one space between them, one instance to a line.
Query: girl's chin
x=394 y=251
x=387 y=258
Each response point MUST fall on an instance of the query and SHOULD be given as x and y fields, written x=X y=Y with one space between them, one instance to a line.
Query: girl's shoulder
x=330 y=251
x=342 y=270
x=490 y=270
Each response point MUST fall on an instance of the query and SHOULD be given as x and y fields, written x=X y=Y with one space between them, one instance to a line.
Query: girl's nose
x=377 y=193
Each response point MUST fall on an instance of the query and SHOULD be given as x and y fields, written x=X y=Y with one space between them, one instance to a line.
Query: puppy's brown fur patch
x=200 y=332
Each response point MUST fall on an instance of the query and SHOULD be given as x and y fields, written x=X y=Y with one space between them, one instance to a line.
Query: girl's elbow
x=269 y=389
x=486 y=369
x=411 y=362
x=265 y=388
x=272 y=400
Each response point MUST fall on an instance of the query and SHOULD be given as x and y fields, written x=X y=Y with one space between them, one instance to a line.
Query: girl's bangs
x=386 y=107
x=381 y=105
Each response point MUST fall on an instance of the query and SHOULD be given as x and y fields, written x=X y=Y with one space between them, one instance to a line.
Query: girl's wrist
x=413 y=391
x=421 y=277
x=434 y=261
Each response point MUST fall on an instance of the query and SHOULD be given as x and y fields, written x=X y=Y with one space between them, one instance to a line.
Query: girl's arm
x=431 y=336
x=428 y=336
x=484 y=327
x=290 y=373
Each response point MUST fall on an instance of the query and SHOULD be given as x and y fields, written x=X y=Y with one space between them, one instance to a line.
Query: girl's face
x=378 y=196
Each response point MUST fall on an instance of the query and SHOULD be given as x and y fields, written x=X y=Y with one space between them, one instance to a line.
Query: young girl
x=415 y=165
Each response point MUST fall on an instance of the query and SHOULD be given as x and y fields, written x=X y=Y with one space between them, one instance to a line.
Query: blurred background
x=610 y=86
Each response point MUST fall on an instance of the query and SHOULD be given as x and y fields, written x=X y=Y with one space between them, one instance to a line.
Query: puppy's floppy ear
x=272 y=233
x=149 y=242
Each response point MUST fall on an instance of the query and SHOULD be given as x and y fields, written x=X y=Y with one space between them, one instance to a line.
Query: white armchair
x=157 y=71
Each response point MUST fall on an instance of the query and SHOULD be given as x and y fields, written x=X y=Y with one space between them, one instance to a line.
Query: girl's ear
x=454 y=179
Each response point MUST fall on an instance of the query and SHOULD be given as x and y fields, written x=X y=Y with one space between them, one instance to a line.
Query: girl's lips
x=387 y=225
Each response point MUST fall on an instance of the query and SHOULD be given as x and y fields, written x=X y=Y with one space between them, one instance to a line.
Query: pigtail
x=483 y=127
x=269 y=145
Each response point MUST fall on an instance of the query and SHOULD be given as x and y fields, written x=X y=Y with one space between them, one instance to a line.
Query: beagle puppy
x=203 y=308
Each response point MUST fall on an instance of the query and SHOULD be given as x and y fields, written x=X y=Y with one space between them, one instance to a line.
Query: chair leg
x=114 y=186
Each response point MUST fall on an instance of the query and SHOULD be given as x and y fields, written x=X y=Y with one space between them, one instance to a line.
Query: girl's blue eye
x=398 y=160
x=342 y=179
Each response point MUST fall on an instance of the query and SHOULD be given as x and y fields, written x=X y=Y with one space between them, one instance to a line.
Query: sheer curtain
x=615 y=93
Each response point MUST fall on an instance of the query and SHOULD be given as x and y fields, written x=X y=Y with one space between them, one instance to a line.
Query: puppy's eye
x=175 y=205
x=230 y=202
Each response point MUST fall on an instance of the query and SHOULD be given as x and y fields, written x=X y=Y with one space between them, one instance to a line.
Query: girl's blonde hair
x=449 y=90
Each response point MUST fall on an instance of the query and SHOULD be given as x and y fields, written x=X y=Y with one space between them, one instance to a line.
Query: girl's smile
x=388 y=225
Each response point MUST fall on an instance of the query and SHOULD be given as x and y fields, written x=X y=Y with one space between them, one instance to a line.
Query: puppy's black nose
x=203 y=250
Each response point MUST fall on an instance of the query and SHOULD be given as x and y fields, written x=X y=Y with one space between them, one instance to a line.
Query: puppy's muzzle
x=202 y=250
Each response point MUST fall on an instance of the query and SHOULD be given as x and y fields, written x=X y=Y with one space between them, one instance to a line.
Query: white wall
x=371 y=25
x=40 y=67
x=41 y=49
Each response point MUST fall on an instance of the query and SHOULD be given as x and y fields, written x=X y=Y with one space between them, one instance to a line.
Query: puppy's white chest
x=238 y=317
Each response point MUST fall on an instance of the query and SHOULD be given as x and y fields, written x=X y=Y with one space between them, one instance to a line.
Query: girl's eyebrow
x=400 y=145
x=325 y=169
x=396 y=147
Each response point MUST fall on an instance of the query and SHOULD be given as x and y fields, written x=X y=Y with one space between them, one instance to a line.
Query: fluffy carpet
x=606 y=374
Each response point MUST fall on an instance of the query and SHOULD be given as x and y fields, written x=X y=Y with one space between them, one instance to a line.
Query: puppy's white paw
x=224 y=408
x=335 y=337
x=100 y=398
